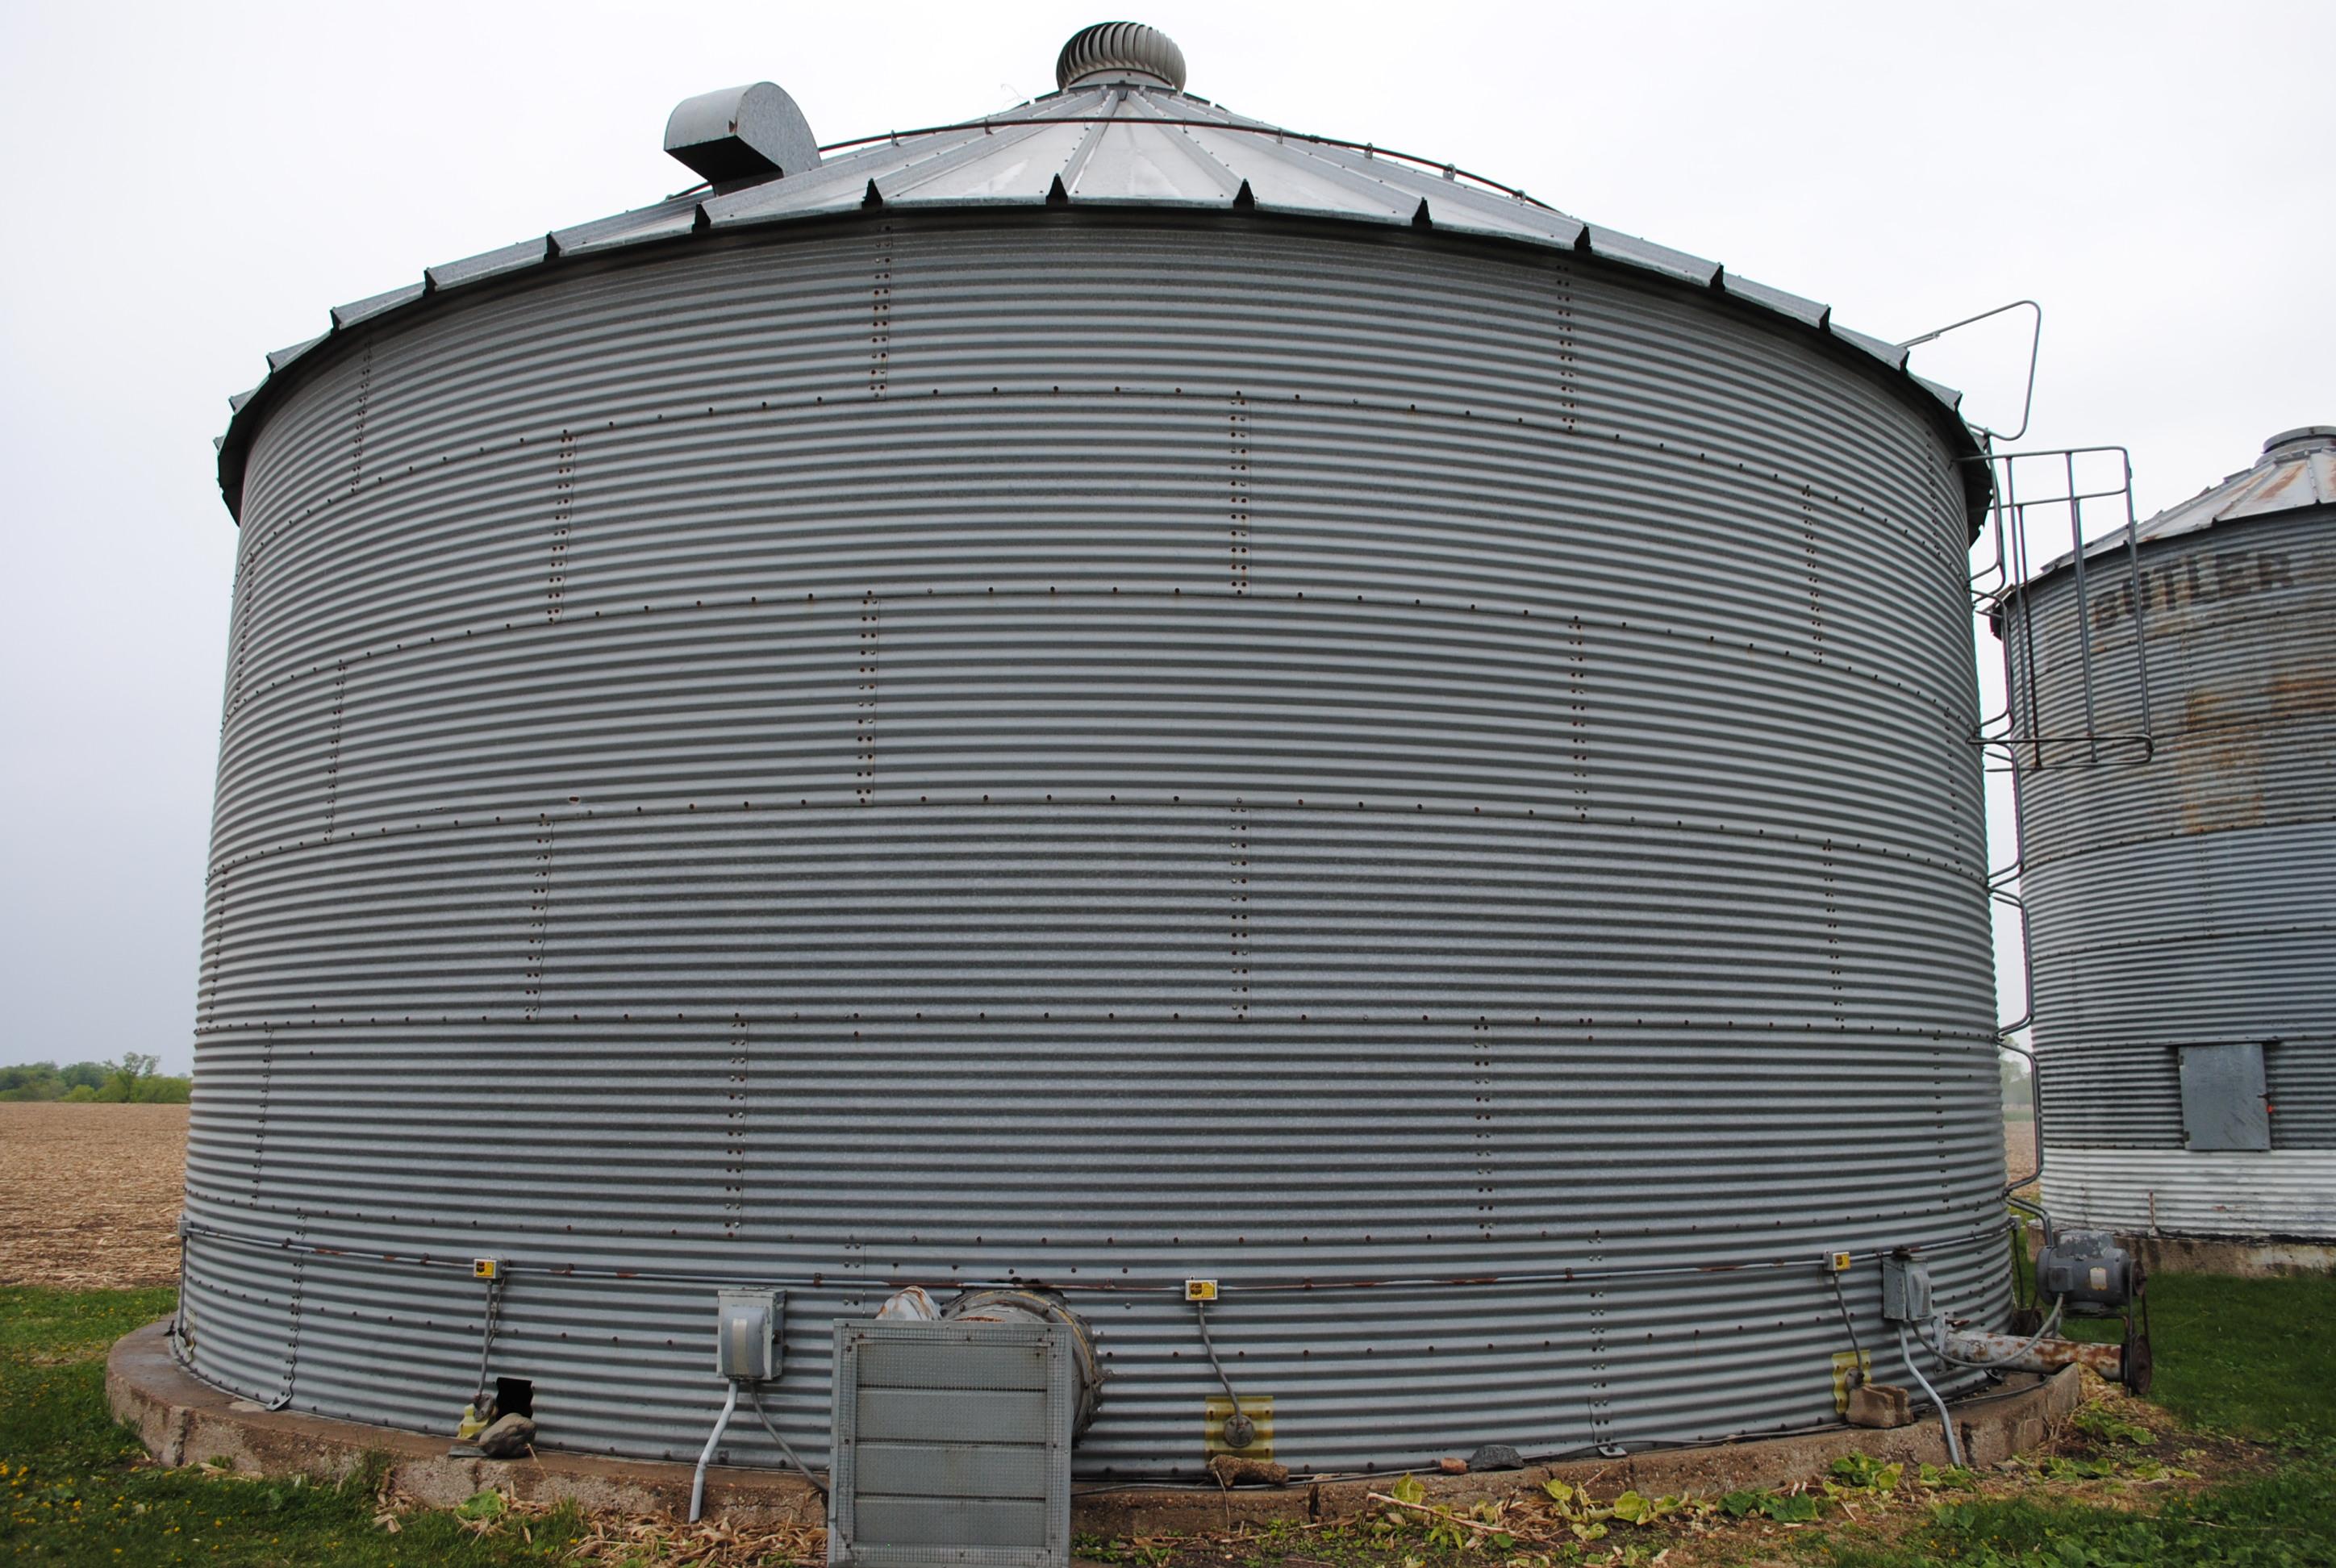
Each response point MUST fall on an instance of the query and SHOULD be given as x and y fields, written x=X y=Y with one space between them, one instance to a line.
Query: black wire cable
x=487 y=1335
x=754 y=1397
x=1201 y=1313
x=1857 y=1352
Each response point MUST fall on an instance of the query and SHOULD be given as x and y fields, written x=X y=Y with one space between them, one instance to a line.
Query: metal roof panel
x=1940 y=390
x=2296 y=470
x=278 y=358
x=1308 y=187
x=1890 y=354
x=348 y=315
x=675 y=216
x=1807 y=312
x=1013 y=164
x=1470 y=210
x=1629 y=248
x=1131 y=161
x=477 y=268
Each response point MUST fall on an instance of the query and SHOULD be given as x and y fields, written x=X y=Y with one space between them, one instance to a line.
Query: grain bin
x=1097 y=697
x=2182 y=909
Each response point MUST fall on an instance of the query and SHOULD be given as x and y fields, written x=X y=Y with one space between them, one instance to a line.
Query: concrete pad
x=184 y=1421
x=2248 y=1260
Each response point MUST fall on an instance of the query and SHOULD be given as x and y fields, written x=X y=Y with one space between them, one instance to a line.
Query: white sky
x=190 y=186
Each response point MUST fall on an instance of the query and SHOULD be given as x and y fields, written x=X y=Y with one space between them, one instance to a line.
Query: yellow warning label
x=1258 y=1408
x=1843 y=1360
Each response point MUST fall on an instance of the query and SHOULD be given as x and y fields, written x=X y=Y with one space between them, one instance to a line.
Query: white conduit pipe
x=1947 y=1422
x=714 y=1438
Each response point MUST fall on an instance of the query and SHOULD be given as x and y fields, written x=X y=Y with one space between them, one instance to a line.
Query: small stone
x=1879 y=1405
x=1231 y=1470
x=506 y=1439
x=1497 y=1456
x=1452 y=1464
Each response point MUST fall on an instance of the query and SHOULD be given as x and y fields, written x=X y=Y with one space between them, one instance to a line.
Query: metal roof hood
x=1119 y=136
x=751 y=132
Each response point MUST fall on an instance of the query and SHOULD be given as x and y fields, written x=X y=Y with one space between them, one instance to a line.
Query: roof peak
x=2290 y=445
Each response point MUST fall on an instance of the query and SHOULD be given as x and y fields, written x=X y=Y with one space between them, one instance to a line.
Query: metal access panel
x=2224 y=1104
x=952 y=1445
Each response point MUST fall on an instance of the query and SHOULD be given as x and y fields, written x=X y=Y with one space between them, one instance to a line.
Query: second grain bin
x=2183 y=908
x=1100 y=696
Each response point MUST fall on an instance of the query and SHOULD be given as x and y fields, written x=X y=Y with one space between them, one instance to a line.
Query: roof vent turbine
x=1120 y=52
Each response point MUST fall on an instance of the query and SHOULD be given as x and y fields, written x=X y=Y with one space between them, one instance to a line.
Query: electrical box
x=1905 y=1292
x=2225 y=1103
x=746 y=1343
x=1200 y=1290
x=486 y=1268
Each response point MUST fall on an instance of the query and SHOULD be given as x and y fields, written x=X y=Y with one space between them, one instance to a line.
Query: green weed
x=73 y=1490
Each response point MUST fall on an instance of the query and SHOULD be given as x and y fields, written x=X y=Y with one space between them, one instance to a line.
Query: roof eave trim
x=1606 y=246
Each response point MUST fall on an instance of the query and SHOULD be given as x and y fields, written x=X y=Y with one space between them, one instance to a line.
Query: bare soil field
x=90 y=1194
x=2019 y=1153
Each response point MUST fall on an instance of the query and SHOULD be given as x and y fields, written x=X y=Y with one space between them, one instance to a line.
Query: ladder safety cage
x=2080 y=498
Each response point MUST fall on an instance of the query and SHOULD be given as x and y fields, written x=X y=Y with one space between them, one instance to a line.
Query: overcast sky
x=192 y=186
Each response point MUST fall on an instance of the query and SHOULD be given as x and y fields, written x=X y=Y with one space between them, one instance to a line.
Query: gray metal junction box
x=952 y=1445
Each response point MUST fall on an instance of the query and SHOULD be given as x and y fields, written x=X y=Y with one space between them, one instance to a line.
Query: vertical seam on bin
x=538 y=918
x=563 y=513
x=1239 y=894
x=333 y=746
x=734 y=1192
x=879 y=315
x=259 y=1127
x=357 y=430
x=864 y=722
x=1237 y=499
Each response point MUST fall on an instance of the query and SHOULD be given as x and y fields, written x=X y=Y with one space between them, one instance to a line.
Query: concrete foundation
x=2248 y=1260
x=183 y=1421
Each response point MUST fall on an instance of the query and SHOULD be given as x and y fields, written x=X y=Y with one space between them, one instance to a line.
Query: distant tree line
x=132 y=1080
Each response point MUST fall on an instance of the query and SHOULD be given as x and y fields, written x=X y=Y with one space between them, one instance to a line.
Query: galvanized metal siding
x=1412 y=766
x=2285 y=1193
x=2194 y=898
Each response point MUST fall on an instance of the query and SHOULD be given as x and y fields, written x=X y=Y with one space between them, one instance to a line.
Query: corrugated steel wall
x=2286 y=1192
x=1429 y=783
x=2192 y=900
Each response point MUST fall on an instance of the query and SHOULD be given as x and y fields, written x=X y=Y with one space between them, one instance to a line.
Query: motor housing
x=2088 y=1270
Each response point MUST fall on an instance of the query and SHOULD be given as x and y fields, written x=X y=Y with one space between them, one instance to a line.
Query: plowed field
x=90 y=1194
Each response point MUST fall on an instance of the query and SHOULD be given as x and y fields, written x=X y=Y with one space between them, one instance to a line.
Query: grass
x=2287 y=1520
x=2253 y=1359
x=74 y=1493
x=2249 y=1359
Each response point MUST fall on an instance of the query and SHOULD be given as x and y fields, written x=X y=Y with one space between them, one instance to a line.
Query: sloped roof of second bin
x=2297 y=470
x=1120 y=136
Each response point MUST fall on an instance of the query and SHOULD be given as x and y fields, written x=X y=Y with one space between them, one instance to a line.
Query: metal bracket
x=2035 y=344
